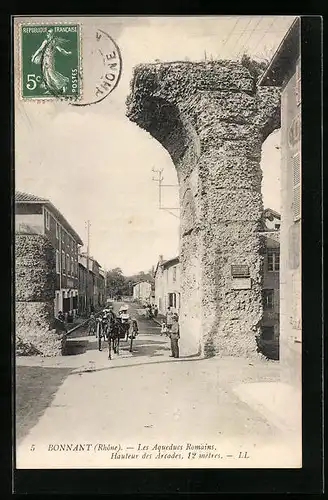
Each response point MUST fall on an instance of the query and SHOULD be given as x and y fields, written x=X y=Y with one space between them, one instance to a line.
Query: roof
x=92 y=259
x=26 y=197
x=268 y=212
x=284 y=58
x=138 y=282
x=30 y=199
x=166 y=263
x=170 y=262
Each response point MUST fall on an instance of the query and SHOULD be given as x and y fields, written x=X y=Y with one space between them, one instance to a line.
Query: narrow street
x=145 y=398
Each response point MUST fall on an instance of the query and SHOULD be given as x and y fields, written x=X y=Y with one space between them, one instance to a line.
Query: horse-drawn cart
x=114 y=328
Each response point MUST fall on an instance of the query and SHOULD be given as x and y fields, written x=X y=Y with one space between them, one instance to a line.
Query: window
x=57 y=230
x=72 y=267
x=63 y=261
x=172 y=300
x=75 y=302
x=68 y=265
x=47 y=216
x=267 y=297
x=174 y=274
x=273 y=260
x=57 y=262
x=267 y=332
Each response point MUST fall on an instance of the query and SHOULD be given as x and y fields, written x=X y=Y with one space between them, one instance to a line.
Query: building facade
x=35 y=215
x=285 y=71
x=101 y=288
x=167 y=285
x=142 y=292
x=270 y=325
x=91 y=285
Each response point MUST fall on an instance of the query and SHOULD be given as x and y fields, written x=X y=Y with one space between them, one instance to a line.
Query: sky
x=94 y=164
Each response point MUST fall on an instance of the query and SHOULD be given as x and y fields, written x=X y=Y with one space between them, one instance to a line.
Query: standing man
x=175 y=335
x=169 y=319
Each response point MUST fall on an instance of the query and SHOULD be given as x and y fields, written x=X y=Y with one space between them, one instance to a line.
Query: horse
x=113 y=335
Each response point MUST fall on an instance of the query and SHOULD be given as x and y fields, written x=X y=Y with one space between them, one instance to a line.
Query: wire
x=242 y=33
x=249 y=37
x=230 y=33
x=266 y=32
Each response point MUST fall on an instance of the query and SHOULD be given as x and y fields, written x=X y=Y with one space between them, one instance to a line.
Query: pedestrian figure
x=61 y=316
x=163 y=328
x=99 y=331
x=134 y=330
x=60 y=322
x=149 y=311
x=125 y=320
x=175 y=336
x=169 y=319
x=92 y=325
x=155 y=311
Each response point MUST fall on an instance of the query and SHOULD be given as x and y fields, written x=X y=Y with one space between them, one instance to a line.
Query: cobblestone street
x=145 y=398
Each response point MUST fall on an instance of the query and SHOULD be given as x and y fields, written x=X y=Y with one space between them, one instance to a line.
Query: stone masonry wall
x=35 y=268
x=212 y=119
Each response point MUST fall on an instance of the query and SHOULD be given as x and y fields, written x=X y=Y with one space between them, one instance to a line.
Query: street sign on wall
x=241 y=284
x=240 y=271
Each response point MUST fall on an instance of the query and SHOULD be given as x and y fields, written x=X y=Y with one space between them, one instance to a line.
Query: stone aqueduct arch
x=212 y=119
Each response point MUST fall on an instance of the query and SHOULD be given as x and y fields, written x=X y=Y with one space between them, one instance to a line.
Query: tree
x=119 y=285
x=115 y=282
x=256 y=68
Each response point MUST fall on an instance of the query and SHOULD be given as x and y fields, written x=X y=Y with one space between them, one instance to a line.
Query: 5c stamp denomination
x=50 y=61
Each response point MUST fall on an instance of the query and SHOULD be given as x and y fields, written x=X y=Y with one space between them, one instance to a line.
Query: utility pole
x=159 y=178
x=105 y=271
x=88 y=258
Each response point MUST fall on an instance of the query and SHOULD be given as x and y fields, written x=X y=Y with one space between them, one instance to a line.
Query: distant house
x=167 y=284
x=35 y=215
x=142 y=291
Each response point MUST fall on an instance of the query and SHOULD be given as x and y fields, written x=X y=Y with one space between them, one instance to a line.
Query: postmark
x=50 y=61
x=102 y=67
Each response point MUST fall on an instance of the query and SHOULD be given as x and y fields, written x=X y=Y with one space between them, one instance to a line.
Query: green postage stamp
x=50 y=61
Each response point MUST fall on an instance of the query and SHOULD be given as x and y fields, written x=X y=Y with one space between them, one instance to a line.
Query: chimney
x=160 y=259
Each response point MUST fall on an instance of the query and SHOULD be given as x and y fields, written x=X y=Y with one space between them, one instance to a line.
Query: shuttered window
x=298 y=89
x=296 y=166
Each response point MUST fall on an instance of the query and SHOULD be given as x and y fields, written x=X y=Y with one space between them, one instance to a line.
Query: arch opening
x=268 y=340
x=220 y=192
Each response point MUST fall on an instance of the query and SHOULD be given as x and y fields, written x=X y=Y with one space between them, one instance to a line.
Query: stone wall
x=35 y=274
x=212 y=119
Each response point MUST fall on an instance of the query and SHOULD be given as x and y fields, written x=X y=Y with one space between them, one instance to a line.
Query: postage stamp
x=50 y=61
